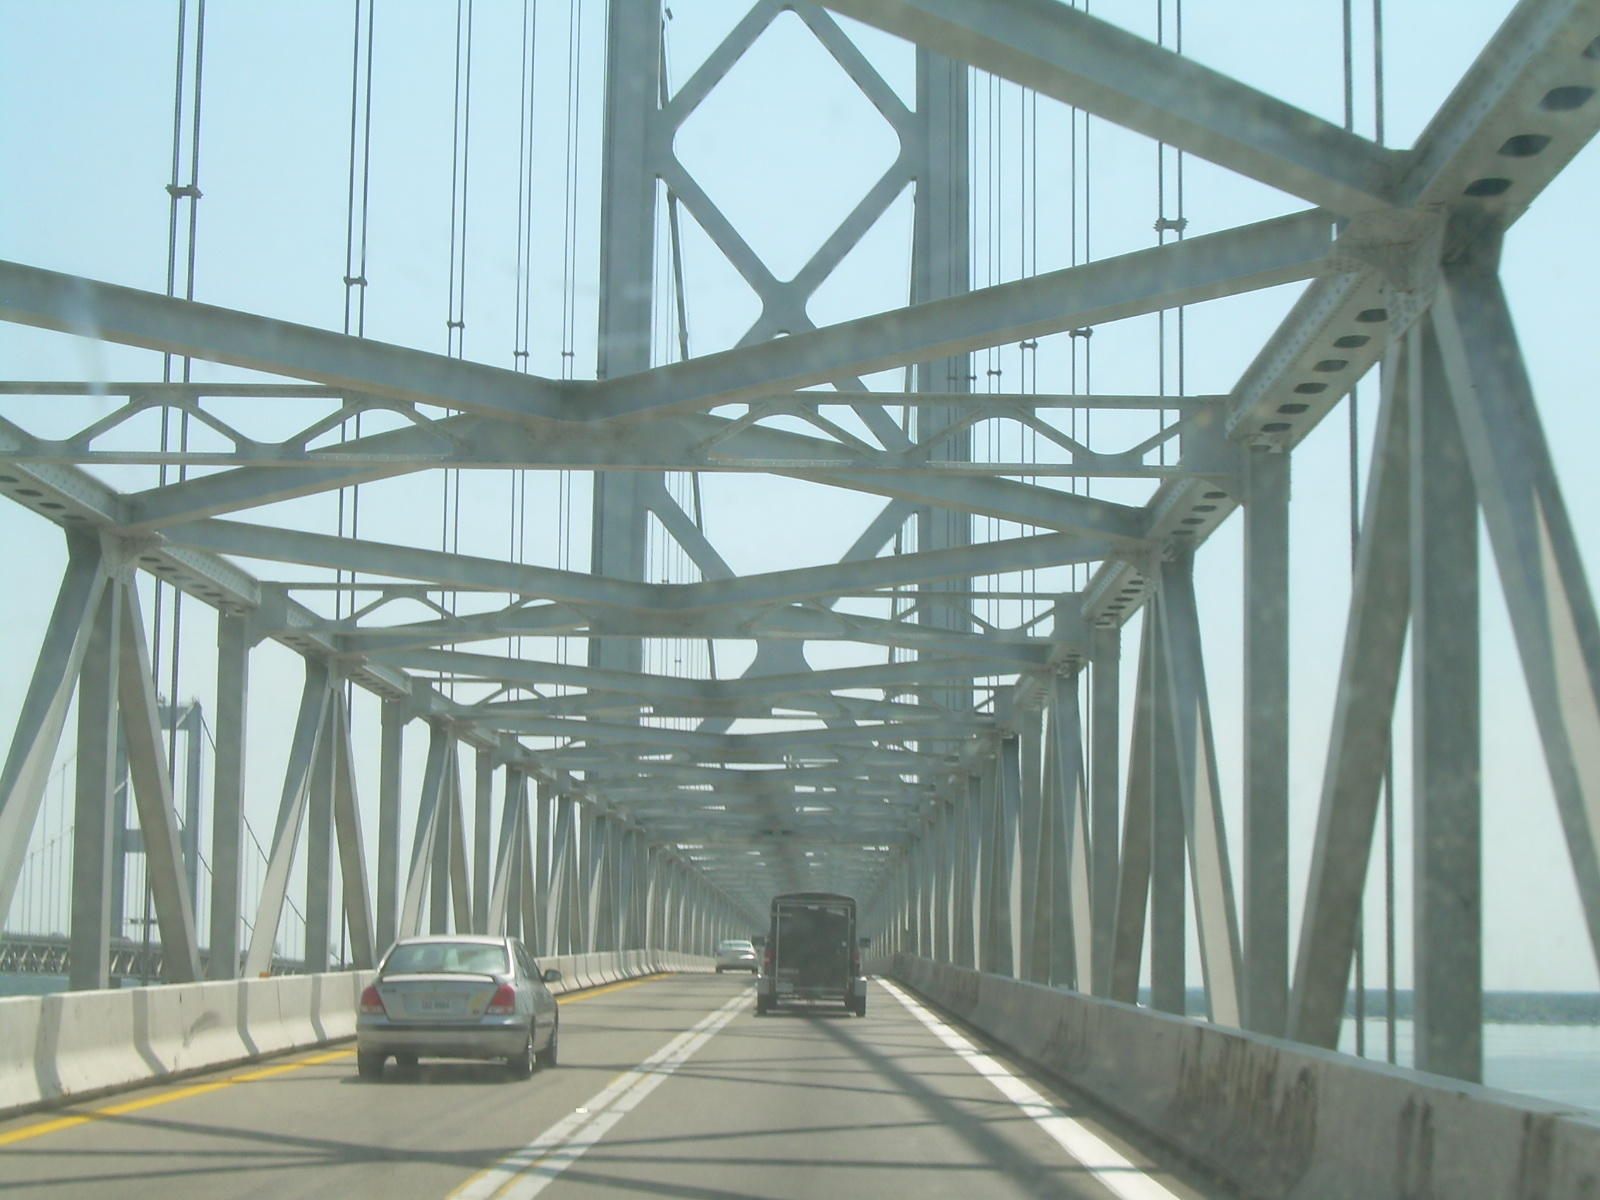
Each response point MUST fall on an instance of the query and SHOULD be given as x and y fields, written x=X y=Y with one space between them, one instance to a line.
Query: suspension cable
x=456 y=321
x=355 y=266
x=522 y=305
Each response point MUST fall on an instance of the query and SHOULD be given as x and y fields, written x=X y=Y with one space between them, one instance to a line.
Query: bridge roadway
x=666 y=1087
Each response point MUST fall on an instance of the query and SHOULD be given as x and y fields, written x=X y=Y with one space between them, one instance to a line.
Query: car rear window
x=737 y=946
x=442 y=958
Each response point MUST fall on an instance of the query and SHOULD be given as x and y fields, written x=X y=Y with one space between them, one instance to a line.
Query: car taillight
x=505 y=1000
x=371 y=1002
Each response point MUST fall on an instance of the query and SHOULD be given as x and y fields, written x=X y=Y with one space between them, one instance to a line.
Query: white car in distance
x=737 y=954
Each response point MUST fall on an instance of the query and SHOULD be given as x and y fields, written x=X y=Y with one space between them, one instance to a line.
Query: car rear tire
x=547 y=1056
x=762 y=1006
x=719 y=970
x=521 y=1065
x=406 y=1062
x=860 y=1006
x=369 y=1066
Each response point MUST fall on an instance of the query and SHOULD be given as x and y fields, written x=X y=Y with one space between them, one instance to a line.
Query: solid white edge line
x=1109 y=1167
x=528 y=1171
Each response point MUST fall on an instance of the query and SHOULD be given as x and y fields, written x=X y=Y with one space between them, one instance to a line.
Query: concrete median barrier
x=1274 y=1118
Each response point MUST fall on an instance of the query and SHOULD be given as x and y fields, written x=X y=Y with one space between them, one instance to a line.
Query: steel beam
x=1090 y=64
x=44 y=707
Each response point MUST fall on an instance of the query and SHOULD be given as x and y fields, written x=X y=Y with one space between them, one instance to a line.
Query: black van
x=812 y=954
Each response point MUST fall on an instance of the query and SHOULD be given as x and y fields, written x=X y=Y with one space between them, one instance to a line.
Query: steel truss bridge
x=952 y=787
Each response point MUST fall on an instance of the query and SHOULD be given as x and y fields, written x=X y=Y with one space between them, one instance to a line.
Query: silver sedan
x=736 y=954
x=458 y=997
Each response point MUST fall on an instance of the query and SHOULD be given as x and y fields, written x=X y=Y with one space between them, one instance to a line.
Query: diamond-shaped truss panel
x=785 y=145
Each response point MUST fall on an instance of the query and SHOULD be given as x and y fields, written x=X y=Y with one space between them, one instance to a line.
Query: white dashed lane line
x=528 y=1171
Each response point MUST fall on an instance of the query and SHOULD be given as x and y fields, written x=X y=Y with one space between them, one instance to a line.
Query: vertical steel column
x=227 y=792
x=528 y=919
x=561 y=915
x=319 y=848
x=541 y=799
x=1133 y=876
x=1105 y=745
x=1001 y=894
x=44 y=708
x=120 y=839
x=1447 y=857
x=623 y=936
x=191 y=804
x=483 y=799
x=627 y=243
x=1358 y=745
x=944 y=881
x=1541 y=569
x=594 y=864
x=1266 y=743
x=460 y=885
x=1033 y=853
x=352 y=846
x=444 y=834
x=504 y=911
x=1072 y=903
x=974 y=874
x=1168 y=941
x=393 y=716
x=89 y=940
x=941 y=268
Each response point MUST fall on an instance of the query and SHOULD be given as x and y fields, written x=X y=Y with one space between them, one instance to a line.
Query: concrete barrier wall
x=75 y=1044
x=72 y=1045
x=1274 y=1118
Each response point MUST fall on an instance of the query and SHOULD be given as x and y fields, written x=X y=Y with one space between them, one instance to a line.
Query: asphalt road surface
x=667 y=1087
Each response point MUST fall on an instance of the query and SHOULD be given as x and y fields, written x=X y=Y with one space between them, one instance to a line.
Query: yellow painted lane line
x=589 y=993
x=166 y=1096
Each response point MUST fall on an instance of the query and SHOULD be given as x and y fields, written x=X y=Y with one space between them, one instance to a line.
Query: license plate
x=436 y=1004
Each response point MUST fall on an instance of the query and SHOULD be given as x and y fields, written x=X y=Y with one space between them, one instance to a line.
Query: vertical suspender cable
x=1353 y=451
x=456 y=322
x=524 y=275
x=355 y=257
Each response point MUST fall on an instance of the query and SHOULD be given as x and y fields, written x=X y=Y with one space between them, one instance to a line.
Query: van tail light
x=766 y=960
x=504 y=1001
x=371 y=1002
x=855 y=962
